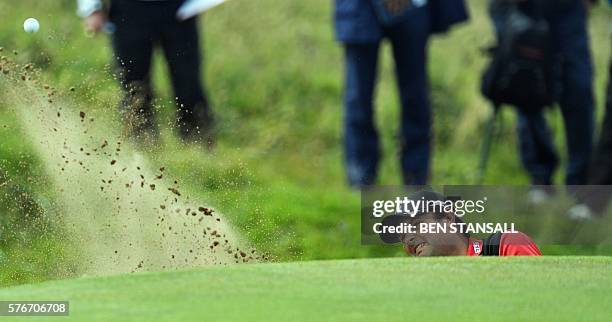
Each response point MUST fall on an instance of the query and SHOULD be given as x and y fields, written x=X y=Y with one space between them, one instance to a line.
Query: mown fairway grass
x=434 y=289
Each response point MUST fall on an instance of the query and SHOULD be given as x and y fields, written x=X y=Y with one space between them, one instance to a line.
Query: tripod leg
x=486 y=145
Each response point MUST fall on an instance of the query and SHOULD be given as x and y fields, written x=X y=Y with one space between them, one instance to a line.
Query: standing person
x=598 y=198
x=601 y=173
x=138 y=26
x=361 y=26
x=567 y=20
x=594 y=201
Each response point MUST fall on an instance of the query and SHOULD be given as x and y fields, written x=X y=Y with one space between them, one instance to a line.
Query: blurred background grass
x=274 y=74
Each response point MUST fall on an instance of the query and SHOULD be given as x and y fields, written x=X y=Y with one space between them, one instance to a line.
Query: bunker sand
x=122 y=212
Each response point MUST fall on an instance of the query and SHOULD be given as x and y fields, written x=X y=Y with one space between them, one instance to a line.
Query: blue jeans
x=362 y=151
x=575 y=97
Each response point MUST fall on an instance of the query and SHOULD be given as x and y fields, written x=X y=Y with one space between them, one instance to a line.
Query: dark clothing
x=575 y=97
x=361 y=29
x=506 y=244
x=596 y=196
x=601 y=172
x=142 y=25
x=409 y=41
x=356 y=20
x=446 y=13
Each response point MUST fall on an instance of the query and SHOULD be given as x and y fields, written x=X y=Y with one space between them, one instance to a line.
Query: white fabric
x=86 y=7
x=192 y=8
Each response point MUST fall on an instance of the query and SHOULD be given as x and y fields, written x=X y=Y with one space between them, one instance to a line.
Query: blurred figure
x=568 y=24
x=137 y=27
x=601 y=172
x=361 y=25
x=595 y=200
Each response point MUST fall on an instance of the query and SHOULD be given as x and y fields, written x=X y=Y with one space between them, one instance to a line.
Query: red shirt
x=510 y=244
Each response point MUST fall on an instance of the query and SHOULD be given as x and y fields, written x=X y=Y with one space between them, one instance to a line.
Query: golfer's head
x=419 y=242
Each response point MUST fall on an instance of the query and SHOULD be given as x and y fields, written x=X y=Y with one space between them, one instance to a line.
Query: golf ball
x=31 y=25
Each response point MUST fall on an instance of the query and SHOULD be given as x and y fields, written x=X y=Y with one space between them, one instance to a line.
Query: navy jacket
x=356 y=20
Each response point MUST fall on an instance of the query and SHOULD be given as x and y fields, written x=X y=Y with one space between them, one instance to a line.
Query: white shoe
x=580 y=212
x=537 y=196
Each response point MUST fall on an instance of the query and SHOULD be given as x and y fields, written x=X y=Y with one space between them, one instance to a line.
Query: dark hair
x=428 y=195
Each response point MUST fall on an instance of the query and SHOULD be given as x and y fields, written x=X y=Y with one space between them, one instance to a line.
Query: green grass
x=434 y=289
x=274 y=73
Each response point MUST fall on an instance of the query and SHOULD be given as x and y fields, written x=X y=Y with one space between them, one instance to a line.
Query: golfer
x=137 y=27
x=453 y=244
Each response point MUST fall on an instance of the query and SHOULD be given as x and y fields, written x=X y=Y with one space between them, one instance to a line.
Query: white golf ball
x=31 y=25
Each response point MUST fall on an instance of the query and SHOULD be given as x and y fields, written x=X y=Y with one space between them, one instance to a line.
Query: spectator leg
x=361 y=145
x=409 y=40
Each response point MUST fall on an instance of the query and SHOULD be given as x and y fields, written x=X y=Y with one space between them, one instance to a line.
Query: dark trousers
x=601 y=172
x=141 y=26
x=597 y=196
x=538 y=153
x=361 y=144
